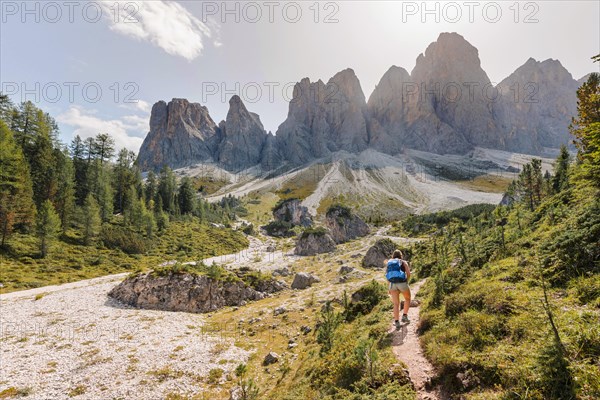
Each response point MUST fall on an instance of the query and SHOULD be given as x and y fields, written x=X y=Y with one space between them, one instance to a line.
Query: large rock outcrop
x=344 y=225
x=187 y=292
x=314 y=241
x=293 y=212
x=378 y=253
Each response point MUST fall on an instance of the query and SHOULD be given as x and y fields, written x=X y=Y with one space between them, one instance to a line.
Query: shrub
x=279 y=229
x=364 y=300
x=316 y=231
x=118 y=238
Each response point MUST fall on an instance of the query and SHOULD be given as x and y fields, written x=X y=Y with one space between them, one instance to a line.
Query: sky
x=99 y=66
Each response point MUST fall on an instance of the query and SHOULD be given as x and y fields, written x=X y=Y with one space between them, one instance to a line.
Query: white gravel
x=75 y=336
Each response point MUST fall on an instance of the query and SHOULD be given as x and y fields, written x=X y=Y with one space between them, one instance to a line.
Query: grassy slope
x=70 y=261
x=484 y=317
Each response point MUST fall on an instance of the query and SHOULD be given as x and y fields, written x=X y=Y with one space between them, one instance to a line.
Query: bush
x=279 y=229
x=364 y=300
x=119 y=238
x=316 y=231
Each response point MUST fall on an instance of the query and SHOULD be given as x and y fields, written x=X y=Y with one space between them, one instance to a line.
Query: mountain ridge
x=446 y=105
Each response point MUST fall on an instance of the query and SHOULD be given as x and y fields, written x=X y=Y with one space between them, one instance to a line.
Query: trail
x=407 y=348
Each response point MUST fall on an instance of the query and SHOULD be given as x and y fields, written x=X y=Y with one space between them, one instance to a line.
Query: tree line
x=48 y=188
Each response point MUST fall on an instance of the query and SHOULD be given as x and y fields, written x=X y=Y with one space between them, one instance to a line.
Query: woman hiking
x=398 y=273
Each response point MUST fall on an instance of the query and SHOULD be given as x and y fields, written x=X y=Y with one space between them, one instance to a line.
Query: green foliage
x=91 y=220
x=340 y=209
x=364 y=300
x=47 y=226
x=186 y=196
x=415 y=225
x=327 y=326
x=16 y=206
x=313 y=231
x=358 y=364
x=247 y=386
x=279 y=229
x=117 y=237
x=482 y=318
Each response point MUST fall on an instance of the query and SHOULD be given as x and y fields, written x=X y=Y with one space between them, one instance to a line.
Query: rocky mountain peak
x=181 y=133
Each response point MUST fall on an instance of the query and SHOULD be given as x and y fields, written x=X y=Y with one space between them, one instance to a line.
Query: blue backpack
x=395 y=272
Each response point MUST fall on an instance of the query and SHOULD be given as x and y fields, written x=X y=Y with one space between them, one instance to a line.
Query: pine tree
x=92 y=222
x=560 y=180
x=124 y=176
x=16 y=194
x=586 y=127
x=167 y=185
x=104 y=192
x=7 y=109
x=80 y=165
x=186 y=196
x=135 y=210
x=150 y=188
x=47 y=226
x=104 y=147
x=148 y=221
x=65 y=195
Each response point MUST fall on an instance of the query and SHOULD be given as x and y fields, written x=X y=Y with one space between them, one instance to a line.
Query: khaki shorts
x=401 y=286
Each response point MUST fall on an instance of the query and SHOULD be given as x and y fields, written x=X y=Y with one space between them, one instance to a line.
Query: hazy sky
x=99 y=66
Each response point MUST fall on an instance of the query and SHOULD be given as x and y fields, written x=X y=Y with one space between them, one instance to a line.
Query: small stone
x=271 y=358
x=292 y=345
x=345 y=269
x=305 y=329
x=279 y=310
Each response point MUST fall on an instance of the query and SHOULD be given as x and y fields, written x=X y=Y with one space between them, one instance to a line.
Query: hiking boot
x=397 y=324
x=405 y=319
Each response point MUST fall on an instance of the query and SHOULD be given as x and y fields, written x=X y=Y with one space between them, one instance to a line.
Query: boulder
x=285 y=271
x=304 y=280
x=378 y=253
x=344 y=225
x=314 y=241
x=293 y=212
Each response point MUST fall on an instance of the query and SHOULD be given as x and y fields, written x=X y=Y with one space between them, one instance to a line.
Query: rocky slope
x=446 y=105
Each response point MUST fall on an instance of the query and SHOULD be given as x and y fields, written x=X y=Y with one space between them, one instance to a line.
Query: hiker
x=398 y=273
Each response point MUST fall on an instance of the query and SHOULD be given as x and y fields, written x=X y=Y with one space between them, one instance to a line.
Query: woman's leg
x=395 y=295
x=406 y=295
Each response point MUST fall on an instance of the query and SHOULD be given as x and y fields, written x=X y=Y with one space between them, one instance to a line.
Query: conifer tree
x=47 y=226
x=16 y=194
x=92 y=222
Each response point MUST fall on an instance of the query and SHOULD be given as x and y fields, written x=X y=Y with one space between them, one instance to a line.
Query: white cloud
x=128 y=132
x=167 y=25
x=139 y=105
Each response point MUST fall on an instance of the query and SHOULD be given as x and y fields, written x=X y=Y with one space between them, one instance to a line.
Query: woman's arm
x=407 y=270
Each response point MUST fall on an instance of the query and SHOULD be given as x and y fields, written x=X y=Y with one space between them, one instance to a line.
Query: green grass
x=304 y=183
x=259 y=207
x=208 y=185
x=485 y=317
x=70 y=261
x=486 y=183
